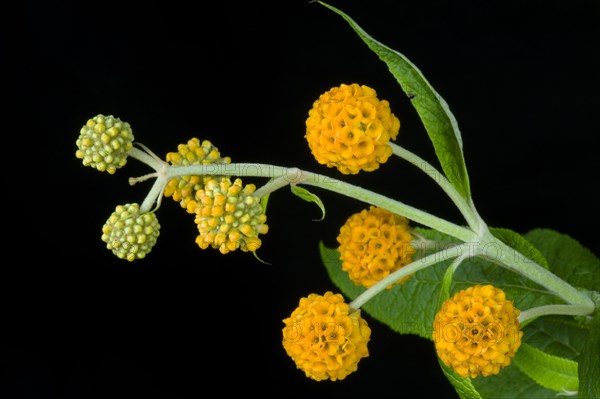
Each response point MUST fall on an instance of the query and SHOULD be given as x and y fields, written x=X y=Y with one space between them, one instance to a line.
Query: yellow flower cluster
x=476 y=332
x=373 y=244
x=349 y=128
x=104 y=143
x=325 y=337
x=195 y=152
x=129 y=234
x=228 y=216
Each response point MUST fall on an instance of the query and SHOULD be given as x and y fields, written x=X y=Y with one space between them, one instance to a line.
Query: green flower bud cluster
x=104 y=143
x=130 y=234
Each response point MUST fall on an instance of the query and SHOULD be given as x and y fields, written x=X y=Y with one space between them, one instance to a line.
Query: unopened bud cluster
x=130 y=234
x=104 y=143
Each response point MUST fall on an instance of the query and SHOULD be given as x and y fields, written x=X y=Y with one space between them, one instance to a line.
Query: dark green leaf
x=556 y=335
x=520 y=243
x=438 y=120
x=568 y=259
x=511 y=383
x=410 y=308
x=589 y=365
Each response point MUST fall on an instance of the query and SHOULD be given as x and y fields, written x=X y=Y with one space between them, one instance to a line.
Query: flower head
x=130 y=234
x=373 y=244
x=228 y=216
x=349 y=128
x=194 y=152
x=325 y=337
x=104 y=143
x=476 y=332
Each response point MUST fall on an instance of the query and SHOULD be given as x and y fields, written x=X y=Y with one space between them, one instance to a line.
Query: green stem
x=411 y=268
x=495 y=250
x=272 y=185
x=569 y=310
x=148 y=158
x=161 y=167
x=155 y=195
x=467 y=209
x=282 y=176
x=298 y=176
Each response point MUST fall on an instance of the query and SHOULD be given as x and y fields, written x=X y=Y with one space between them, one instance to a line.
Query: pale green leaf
x=552 y=372
x=445 y=286
x=309 y=197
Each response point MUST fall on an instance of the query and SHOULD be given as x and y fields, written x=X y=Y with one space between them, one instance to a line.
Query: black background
x=521 y=79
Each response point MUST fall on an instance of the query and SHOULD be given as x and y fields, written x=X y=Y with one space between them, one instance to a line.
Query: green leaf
x=557 y=335
x=577 y=265
x=309 y=197
x=259 y=259
x=410 y=308
x=560 y=336
x=264 y=201
x=445 y=286
x=589 y=365
x=553 y=372
x=438 y=120
x=463 y=386
x=520 y=243
x=511 y=383
x=568 y=259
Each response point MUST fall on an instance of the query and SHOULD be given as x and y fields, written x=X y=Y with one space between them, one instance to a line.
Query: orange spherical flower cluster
x=194 y=152
x=476 y=332
x=373 y=244
x=349 y=128
x=228 y=216
x=325 y=337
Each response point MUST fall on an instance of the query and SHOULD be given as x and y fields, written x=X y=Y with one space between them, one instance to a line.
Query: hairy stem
x=466 y=208
x=411 y=268
x=298 y=176
x=495 y=250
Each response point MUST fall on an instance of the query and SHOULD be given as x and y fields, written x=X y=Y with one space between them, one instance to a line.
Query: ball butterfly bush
x=493 y=302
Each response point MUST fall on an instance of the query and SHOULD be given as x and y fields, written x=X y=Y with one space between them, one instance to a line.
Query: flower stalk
x=467 y=209
x=282 y=176
x=419 y=264
x=517 y=262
